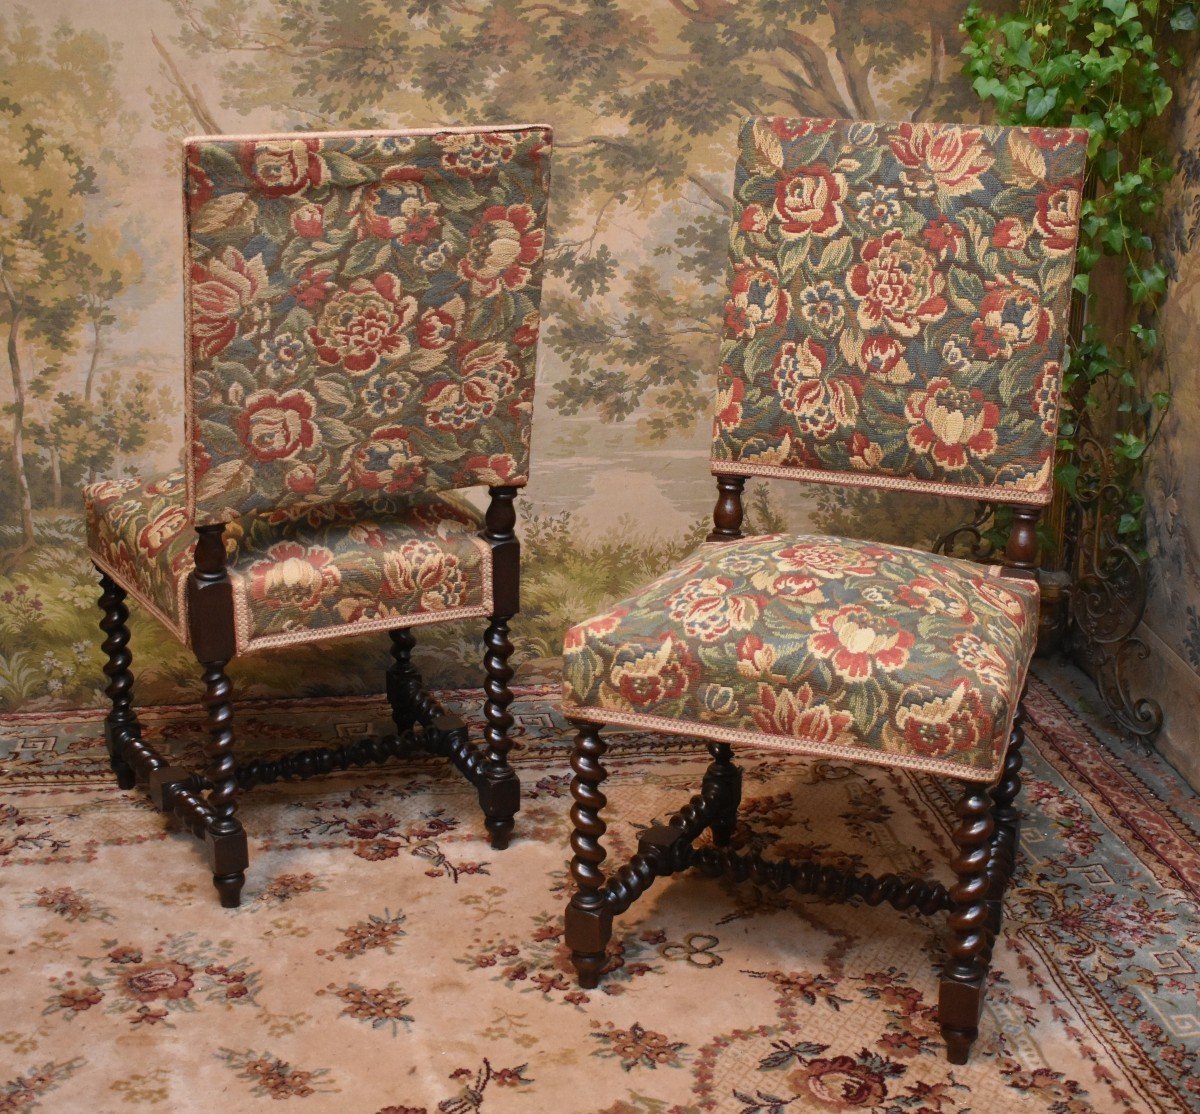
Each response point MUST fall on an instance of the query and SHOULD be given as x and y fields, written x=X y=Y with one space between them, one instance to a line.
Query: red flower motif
x=797 y=715
x=809 y=200
x=953 y=157
x=753 y=219
x=819 y=406
x=951 y=423
x=865 y=454
x=274 y=427
x=934 y=597
x=943 y=237
x=756 y=300
x=399 y=208
x=1010 y=318
x=1054 y=139
x=897 y=285
x=799 y=127
x=438 y=328
x=1009 y=233
x=839 y=1083
x=312 y=287
x=1057 y=219
x=526 y=335
x=883 y=357
x=708 y=610
x=282 y=168
x=474 y=156
x=365 y=325
x=856 y=641
x=503 y=246
x=958 y=723
x=220 y=294
x=496 y=471
x=155 y=536
x=648 y=675
x=486 y=376
x=598 y=627
x=294 y=577
x=309 y=221
x=302 y=479
x=387 y=462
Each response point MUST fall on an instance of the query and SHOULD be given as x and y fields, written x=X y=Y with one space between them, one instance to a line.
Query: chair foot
x=229 y=888
x=500 y=799
x=961 y=994
x=958 y=1044
x=126 y=778
x=588 y=931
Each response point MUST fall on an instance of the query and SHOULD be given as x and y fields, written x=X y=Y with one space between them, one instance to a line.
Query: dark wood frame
x=985 y=838
x=206 y=802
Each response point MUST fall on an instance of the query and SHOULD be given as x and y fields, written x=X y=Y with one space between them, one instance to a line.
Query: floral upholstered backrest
x=898 y=300
x=362 y=314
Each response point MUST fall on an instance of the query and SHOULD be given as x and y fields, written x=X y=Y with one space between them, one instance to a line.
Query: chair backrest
x=898 y=302
x=362 y=313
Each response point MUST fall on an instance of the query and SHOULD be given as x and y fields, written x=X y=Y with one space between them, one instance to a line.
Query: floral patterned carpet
x=386 y=960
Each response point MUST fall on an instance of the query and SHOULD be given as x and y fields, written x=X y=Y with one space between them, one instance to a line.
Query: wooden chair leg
x=121 y=721
x=1007 y=820
x=224 y=835
x=403 y=680
x=723 y=783
x=960 y=999
x=588 y=920
x=499 y=789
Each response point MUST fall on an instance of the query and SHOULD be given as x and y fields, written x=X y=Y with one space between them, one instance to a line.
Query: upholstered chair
x=361 y=332
x=898 y=298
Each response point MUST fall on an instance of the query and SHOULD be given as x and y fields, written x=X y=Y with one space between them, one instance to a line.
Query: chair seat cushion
x=299 y=576
x=816 y=645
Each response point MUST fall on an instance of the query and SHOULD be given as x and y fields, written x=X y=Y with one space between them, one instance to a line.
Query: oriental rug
x=385 y=960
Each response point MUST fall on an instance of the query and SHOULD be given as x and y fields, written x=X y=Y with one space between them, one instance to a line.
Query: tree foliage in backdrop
x=62 y=263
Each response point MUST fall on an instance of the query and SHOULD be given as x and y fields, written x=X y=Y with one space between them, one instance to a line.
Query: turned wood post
x=1021 y=552
x=960 y=998
x=121 y=722
x=588 y=920
x=728 y=513
x=211 y=625
x=500 y=790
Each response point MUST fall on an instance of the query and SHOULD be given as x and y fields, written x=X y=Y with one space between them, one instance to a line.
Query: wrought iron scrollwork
x=1108 y=594
x=969 y=540
x=1107 y=591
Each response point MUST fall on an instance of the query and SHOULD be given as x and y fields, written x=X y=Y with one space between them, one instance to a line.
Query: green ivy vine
x=1100 y=65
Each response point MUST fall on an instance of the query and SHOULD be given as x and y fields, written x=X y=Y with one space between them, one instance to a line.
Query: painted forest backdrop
x=644 y=99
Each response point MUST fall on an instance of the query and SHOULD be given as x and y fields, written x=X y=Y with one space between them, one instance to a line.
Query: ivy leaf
x=1040 y=101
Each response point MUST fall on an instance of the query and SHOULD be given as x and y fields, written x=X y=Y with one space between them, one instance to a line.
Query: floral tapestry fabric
x=299 y=575
x=817 y=645
x=363 y=314
x=898 y=299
